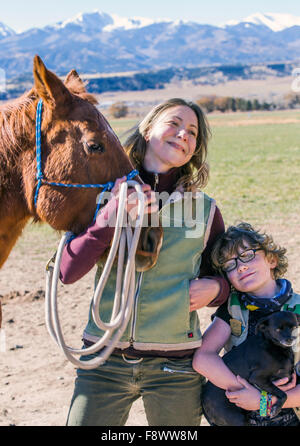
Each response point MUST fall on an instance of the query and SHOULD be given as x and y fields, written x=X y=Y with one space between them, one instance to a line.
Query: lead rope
x=124 y=296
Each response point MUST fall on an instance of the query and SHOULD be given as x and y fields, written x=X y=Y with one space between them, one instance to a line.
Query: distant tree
x=228 y=103
x=248 y=105
x=291 y=100
x=207 y=103
x=241 y=104
x=118 y=110
x=266 y=106
x=232 y=104
x=221 y=103
x=255 y=105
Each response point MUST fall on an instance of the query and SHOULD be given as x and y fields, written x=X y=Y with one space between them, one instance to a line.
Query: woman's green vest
x=161 y=318
x=239 y=326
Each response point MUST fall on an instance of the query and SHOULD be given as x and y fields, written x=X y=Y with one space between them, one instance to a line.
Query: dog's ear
x=262 y=324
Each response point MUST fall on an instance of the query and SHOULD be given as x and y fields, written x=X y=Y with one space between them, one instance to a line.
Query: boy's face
x=254 y=277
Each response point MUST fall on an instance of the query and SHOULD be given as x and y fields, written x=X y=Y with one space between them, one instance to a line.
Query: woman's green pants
x=170 y=389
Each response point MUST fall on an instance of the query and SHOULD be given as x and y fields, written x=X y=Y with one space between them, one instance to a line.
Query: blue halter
x=39 y=173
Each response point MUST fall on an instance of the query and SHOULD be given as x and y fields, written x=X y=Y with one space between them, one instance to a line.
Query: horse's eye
x=94 y=148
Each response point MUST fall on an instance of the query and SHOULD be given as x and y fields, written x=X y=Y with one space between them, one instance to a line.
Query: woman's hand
x=132 y=198
x=202 y=292
x=247 y=398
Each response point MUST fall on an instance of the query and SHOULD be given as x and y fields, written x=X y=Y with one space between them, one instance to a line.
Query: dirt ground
x=36 y=379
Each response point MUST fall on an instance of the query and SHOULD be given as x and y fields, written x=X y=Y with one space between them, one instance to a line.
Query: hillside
x=196 y=77
x=101 y=43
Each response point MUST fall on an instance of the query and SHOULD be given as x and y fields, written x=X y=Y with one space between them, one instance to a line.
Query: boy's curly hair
x=235 y=237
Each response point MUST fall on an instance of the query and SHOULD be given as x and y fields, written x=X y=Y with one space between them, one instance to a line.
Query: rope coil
x=124 y=296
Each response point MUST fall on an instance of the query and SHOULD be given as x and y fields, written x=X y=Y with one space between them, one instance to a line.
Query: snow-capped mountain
x=102 y=21
x=89 y=21
x=130 y=23
x=274 y=21
x=99 y=42
x=5 y=31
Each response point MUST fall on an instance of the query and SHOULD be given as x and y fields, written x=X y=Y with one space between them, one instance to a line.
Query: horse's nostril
x=94 y=148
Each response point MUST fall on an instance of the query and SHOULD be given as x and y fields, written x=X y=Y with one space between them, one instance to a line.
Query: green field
x=254 y=169
x=254 y=176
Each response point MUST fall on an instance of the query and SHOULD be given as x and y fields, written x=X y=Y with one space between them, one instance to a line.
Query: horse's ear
x=48 y=86
x=73 y=76
x=77 y=86
x=74 y=82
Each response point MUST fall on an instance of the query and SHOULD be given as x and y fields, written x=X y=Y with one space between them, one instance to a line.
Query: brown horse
x=78 y=146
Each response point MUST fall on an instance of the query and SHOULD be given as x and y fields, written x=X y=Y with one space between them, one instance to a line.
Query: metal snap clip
x=131 y=361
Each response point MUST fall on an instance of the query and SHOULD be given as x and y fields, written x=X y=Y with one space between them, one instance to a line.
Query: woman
x=154 y=357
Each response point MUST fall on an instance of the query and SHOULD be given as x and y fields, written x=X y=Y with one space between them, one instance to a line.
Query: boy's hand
x=285 y=384
x=248 y=398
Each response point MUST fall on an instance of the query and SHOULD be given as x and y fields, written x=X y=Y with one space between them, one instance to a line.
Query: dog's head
x=281 y=328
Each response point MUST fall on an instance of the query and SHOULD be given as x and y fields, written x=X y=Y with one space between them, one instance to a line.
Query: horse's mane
x=13 y=119
x=15 y=115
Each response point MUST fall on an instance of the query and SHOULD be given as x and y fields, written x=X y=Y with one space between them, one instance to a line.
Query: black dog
x=260 y=359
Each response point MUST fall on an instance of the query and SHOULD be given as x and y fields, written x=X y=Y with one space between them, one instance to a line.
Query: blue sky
x=25 y=14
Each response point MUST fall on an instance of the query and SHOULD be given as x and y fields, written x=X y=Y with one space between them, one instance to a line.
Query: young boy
x=254 y=266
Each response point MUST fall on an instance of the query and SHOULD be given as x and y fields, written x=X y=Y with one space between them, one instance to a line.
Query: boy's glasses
x=244 y=257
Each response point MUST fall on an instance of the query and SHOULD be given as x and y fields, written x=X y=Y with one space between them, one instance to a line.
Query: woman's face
x=171 y=141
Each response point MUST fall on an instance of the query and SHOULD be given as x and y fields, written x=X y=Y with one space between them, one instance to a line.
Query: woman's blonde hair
x=192 y=175
x=227 y=245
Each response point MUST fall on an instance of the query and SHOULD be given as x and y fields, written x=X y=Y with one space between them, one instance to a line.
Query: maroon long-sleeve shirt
x=84 y=251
